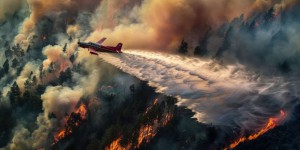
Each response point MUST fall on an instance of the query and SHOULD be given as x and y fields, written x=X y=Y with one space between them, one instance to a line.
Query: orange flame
x=60 y=135
x=155 y=101
x=272 y=123
x=82 y=110
x=149 y=108
x=115 y=145
x=167 y=119
x=145 y=132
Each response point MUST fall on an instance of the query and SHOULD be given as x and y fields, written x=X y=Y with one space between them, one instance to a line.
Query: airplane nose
x=80 y=44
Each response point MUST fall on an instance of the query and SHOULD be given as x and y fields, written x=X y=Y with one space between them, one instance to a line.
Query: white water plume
x=227 y=96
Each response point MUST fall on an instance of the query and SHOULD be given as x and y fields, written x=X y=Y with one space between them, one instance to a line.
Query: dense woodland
x=121 y=113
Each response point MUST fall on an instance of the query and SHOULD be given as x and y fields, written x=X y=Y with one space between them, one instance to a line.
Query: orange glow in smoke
x=63 y=65
x=272 y=123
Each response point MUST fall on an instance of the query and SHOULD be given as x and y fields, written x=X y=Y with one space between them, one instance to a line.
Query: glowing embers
x=272 y=123
x=71 y=121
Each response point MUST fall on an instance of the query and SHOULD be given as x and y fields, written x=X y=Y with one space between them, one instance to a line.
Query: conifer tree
x=183 y=48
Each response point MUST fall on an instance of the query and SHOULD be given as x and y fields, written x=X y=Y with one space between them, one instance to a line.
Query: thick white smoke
x=226 y=96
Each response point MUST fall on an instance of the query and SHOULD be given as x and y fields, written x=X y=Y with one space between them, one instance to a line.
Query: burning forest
x=194 y=74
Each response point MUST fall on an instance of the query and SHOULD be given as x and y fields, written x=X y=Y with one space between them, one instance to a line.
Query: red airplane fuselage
x=94 y=48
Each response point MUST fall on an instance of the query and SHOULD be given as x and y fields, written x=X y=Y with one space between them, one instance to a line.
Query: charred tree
x=14 y=63
x=183 y=48
x=270 y=15
x=8 y=52
x=70 y=39
x=6 y=66
x=1 y=73
x=27 y=84
x=41 y=71
x=201 y=49
x=65 y=76
x=226 y=43
x=28 y=48
x=72 y=58
x=14 y=95
x=65 y=48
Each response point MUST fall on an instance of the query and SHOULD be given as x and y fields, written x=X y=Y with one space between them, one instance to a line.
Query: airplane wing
x=93 y=52
x=101 y=41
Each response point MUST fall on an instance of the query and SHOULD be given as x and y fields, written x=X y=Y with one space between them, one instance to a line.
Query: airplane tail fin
x=119 y=47
x=102 y=40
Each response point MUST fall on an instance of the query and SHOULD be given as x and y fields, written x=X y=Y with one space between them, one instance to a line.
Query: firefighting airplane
x=97 y=47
